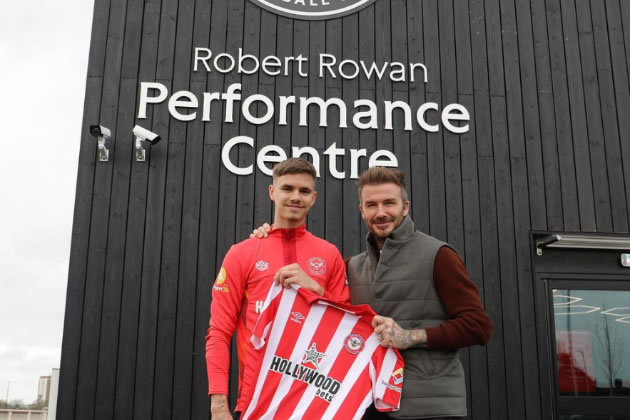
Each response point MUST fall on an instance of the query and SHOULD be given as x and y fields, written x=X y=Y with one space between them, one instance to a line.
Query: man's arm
x=393 y=335
x=227 y=299
x=468 y=322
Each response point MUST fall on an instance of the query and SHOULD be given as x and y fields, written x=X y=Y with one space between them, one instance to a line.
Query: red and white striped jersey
x=314 y=358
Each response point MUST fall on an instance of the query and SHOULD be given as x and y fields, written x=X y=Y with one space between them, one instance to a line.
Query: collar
x=289 y=233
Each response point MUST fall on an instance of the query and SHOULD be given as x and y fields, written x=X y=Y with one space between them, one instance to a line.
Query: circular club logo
x=354 y=343
x=317 y=266
x=313 y=9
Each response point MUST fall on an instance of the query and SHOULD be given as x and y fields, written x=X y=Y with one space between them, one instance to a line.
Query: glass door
x=590 y=325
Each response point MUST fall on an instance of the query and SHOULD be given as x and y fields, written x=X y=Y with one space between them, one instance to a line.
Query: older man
x=429 y=307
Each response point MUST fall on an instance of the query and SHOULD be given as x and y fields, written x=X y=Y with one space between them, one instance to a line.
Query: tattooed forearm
x=392 y=334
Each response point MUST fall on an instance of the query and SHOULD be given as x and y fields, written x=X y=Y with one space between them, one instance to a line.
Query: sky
x=44 y=49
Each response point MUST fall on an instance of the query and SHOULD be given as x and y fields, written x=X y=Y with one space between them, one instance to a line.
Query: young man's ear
x=271 y=192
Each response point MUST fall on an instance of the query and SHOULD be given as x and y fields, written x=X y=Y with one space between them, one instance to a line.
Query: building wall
x=546 y=85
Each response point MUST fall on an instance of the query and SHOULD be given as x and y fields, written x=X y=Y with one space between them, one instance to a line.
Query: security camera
x=102 y=134
x=100 y=131
x=143 y=135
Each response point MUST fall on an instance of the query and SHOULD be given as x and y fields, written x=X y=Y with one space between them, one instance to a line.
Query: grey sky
x=43 y=65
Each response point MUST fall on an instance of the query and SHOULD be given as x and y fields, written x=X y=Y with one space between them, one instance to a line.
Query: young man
x=429 y=307
x=291 y=255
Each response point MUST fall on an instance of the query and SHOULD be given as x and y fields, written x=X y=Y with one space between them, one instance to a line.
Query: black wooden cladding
x=546 y=84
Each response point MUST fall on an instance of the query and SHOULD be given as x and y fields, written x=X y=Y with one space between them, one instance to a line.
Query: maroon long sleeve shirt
x=468 y=322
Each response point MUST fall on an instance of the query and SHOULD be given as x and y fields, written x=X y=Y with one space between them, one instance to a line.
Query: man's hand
x=293 y=274
x=261 y=232
x=393 y=335
x=219 y=407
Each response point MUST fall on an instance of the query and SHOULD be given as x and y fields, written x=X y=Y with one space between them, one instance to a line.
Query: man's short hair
x=294 y=166
x=382 y=175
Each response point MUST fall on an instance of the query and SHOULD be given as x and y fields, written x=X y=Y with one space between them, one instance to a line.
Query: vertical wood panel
x=622 y=95
x=563 y=132
x=147 y=321
x=351 y=140
x=608 y=111
x=579 y=136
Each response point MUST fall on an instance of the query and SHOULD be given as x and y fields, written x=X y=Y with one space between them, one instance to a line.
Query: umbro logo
x=297 y=317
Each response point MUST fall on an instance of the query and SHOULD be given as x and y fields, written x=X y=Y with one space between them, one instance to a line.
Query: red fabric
x=242 y=284
x=468 y=322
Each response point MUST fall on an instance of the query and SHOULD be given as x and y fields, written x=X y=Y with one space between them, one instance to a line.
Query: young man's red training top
x=242 y=285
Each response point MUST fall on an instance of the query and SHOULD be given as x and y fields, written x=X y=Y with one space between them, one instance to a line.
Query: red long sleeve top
x=242 y=285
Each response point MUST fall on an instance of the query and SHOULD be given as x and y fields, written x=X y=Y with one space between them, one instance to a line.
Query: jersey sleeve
x=387 y=373
x=337 y=289
x=228 y=296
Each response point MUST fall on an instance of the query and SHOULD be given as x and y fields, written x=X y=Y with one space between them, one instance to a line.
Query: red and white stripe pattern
x=319 y=360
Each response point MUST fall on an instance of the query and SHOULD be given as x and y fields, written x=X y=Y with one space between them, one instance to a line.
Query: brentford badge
x=354 y=343
x=262 y=265
x=313 y=10
x=317 y=266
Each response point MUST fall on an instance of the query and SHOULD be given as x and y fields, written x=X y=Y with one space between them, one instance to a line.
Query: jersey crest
x=262 y=265
x=317 y=266
x=354 y=343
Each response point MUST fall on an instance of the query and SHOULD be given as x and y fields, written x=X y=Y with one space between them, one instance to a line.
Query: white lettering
x=273 y=154
x=229 y=59
x=146 y=99
x=371 y=113
x=225 y=155
x=241 y=60
x=207 y=99
x=391 y=161
x=455 y=112
x=397 y=69
x=323 y=110
x=204 y=60
x=389 y=110
x=327 y=64
x=352 y=75
x=420 y=117
x=257 y=120
x=373 y=68
x=230 y=96
x=412 y=68
x=284 y=103
x=271 y=61
x=354 y=161
x=332 y=153
x=190 y=102
x=264 y=157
